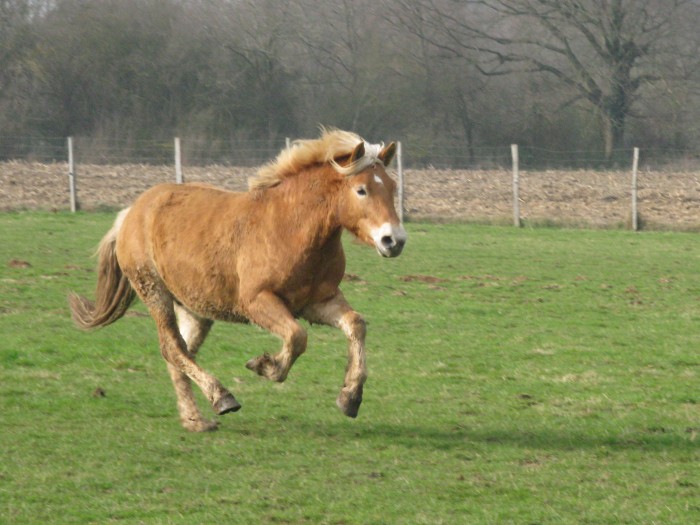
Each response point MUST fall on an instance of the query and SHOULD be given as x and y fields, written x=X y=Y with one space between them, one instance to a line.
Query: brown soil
x=669 y=200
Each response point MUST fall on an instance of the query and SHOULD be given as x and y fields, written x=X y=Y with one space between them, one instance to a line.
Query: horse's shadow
x=458 y=438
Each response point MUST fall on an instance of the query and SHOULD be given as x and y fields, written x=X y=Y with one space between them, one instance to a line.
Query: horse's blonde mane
x=332 y=144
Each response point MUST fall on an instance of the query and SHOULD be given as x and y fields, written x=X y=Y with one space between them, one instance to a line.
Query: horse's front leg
x=269 y=311
x=337 y=312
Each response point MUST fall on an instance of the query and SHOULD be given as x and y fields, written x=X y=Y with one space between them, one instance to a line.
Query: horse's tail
x=114 y=293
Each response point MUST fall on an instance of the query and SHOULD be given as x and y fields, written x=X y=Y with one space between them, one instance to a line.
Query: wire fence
x=445 y=181
x=248 y=152
x=96 y=150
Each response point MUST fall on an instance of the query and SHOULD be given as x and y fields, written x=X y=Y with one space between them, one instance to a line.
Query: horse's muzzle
x=389 y=239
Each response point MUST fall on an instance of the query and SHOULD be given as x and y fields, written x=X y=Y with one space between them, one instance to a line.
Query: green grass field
x=516 y=376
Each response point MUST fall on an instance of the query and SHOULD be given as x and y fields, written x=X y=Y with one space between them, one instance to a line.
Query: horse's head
x=367 y=199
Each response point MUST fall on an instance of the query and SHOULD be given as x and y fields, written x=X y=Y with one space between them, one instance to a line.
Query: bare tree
x=336 y=39
x=257 y=76
x=16 y=41
x=428 y=71
x=603 y=51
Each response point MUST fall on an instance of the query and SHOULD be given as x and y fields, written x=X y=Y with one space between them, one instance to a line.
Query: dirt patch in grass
x=422 y=279
x=16 y=263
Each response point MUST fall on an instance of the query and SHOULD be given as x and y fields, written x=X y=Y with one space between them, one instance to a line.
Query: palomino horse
x=194 y=254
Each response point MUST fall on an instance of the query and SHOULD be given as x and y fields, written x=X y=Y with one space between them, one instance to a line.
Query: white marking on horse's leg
x=160 y=304
x=188 y=327
x=193 y=330
x=175 y=352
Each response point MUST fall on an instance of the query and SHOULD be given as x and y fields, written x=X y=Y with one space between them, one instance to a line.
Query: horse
x=195 y=254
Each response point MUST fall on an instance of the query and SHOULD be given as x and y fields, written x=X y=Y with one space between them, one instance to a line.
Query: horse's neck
x=319 y=223
x=312 y=214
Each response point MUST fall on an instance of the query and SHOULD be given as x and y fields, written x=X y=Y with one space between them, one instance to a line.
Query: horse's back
x=182 y=206
x=180 y=198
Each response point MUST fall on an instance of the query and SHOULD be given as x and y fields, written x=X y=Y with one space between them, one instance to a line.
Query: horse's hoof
x=266 y=366
x=254 y=364
x=225 y=404
x=349 y=404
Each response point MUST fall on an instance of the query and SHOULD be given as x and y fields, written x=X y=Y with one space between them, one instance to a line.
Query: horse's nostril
x=388 y=241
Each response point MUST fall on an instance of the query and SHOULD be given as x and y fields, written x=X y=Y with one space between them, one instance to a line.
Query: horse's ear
x=387 y=154
x=357 y=153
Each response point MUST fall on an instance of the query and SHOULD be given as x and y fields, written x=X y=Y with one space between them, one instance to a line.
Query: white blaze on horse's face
x=374 y=217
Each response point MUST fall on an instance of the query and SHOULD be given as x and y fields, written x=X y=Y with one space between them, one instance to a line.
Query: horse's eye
x=361 y=191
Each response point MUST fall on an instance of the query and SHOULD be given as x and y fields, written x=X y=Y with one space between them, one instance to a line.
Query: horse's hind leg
x=173 y=347
x=337 y=312
x=193 y=330
x=174 y=350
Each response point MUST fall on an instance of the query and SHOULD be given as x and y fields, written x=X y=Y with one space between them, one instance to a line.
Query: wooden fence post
x=635 y=165
x=178 y=162
x=399 y=169
x=516 y=185
x=71 y=177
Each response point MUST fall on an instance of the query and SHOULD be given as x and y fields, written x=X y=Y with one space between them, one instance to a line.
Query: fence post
x=516 y=185
x=71 y=177
x=399 y=169
x=635 y=165
x=287 y=142
x=178 y=162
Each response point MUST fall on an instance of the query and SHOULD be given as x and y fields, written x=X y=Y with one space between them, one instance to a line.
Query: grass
x=516 y=376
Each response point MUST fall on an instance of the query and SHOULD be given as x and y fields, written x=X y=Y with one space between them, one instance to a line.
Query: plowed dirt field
x=666 y=200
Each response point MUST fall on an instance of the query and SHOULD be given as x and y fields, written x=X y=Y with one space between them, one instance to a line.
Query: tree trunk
x=612 y=131
x=607 y=133
x=467 y=125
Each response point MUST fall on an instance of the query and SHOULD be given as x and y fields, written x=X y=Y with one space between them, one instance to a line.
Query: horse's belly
x=300 y=297
x=228 y=316
x=215 y=311
x=209 y=297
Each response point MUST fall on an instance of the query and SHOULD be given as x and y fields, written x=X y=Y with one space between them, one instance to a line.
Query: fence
x=495 y=185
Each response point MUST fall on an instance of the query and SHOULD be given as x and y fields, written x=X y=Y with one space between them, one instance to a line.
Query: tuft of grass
x=516 y=376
